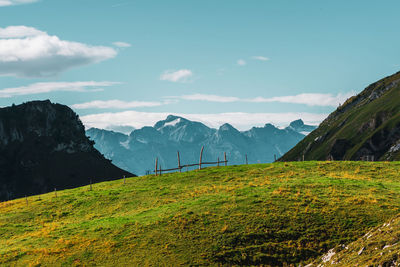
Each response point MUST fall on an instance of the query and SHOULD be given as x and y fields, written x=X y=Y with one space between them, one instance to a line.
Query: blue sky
x=242 y=62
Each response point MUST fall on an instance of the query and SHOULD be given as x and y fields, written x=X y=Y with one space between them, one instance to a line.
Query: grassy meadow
x=271 y=214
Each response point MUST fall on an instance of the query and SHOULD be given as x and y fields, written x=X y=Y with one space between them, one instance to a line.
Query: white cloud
x=47 y=87
x=176 y=76
x=261 y=58
x=28 y=52
x=323 y=100
x=307 y=99
x=241 y=62
x=19 y=32
x=122 y=44
x=210 y=98
x=15 y=2
x=240 y=120
x=116 y=104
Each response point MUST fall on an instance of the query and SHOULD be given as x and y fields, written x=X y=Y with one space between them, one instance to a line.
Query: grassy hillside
x=252 y=214
x=366 y=124
x=379 y=247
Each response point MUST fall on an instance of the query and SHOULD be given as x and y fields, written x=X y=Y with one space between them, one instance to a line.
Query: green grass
x=252 y=214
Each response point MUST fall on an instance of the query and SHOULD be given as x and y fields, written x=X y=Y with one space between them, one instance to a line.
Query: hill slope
x=365 y=125
x=379 y=247
x=136 y=152
x=251 y=214
x=43 y=146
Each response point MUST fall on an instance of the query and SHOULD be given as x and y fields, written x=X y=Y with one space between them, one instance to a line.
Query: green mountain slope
x=378 y=247
x=253 y=214
x=365 y=125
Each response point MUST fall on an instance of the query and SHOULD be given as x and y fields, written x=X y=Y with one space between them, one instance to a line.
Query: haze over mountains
x=137 y=151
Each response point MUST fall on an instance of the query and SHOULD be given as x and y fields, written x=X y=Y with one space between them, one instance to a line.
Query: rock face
x=138 y=151
x=366 y=126
x=43 y=146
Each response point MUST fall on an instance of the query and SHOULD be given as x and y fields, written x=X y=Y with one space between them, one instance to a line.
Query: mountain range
x=137 y=151
x=43 y=147
x=365 y=127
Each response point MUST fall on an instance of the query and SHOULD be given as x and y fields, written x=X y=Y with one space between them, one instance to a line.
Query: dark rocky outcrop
x=43 y=146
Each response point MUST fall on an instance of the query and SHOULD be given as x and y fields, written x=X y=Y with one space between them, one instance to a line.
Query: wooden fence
x=158 y=170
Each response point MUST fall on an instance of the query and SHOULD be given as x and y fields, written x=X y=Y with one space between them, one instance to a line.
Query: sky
x=119 y=62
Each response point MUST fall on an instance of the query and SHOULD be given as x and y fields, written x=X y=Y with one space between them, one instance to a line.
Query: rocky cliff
x=42 y=147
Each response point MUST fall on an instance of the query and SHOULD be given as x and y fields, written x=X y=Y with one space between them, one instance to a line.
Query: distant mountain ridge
x=43 y=146
x=300 y=127
x=366 y=126
x=136 y=152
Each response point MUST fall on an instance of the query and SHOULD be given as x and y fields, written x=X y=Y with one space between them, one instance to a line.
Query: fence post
x=91 y=185
x=160 y=170
x=225 y=158
x=201 y=155
x=246 y=160
x=124 y=179
x=55 y=191
x=303 y=157
x=274 y=157
x=179 y=162
x=156 y=166
x=218 y=161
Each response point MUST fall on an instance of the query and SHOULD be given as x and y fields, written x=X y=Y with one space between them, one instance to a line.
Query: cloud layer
x=28 y=52
x=240 y=120
x=15 y=2
x=327 y=100
x=122 y=44
x=176 y=76
x=47 y=87
x=209 y=98
x=116 y=104
x=261 y=58
x=309 y=99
